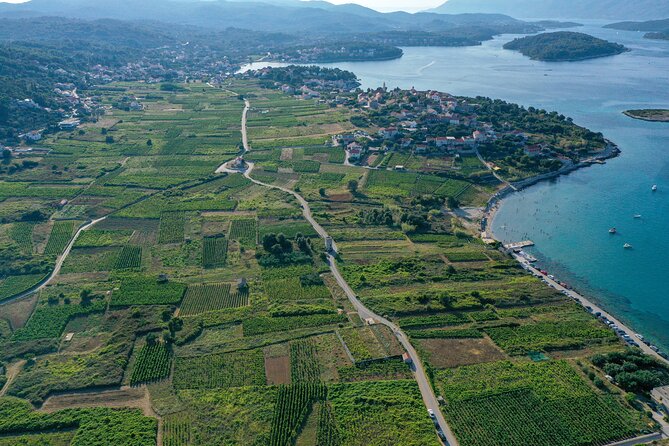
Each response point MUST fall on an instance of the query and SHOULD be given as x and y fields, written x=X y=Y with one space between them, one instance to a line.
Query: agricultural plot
x=153 y=364
x=130 y=257
x=239 y=369
x=177 y=429
x=171 y=227
x=262 y=325
x=214 y=252
x=547 y=336
x=293 y=405
x=392 y=183
x=543 y=403
x=48 y=322
x=379 y=413
x=85 y=260
x=95 y=238
x=289 y=228
x=212 y=297
x=145 y=290
x=22 y=234
x=244 y=230
x=360 y=344
x=14 y=285
x=61 y=234
x=304 y=364
x=90 y=427
x=236 y=416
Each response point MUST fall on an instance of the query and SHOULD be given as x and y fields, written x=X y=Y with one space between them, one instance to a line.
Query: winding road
x=423 y=381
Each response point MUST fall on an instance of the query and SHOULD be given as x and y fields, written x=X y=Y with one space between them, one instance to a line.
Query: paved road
x=426 y=391
x=59 y=264
x=595 y=308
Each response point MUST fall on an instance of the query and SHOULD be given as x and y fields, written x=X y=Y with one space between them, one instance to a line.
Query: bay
x=569 y=218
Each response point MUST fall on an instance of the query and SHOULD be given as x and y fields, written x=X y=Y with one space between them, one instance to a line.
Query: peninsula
x=564 y=46
x=649 y=114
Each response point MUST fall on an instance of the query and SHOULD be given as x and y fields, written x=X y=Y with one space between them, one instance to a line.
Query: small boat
x=654 y=188
x=627 y=246
x=637 y=215
x=613 y=231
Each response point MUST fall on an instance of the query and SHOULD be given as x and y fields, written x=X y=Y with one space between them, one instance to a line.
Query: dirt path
x=12 y=371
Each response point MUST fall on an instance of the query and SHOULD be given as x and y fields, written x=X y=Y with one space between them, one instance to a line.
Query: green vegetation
x=144 y=290
x=633 y=370
x=214 y=252
x=50 y=321
x=244 y=231
x=655 y=115
x=246 y=368
x=293 y=405
x=61 y=234
x=153 y=363
x=171 y=227
x=14 y=285
x=564 y=46
x=93 y=427
x=130 y=257
x=212 y=297
x=533 y=404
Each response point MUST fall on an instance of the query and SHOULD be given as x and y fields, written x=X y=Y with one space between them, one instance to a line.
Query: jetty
x=518 y=245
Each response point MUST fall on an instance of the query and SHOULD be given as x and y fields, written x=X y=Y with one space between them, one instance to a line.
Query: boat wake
x=421 y=69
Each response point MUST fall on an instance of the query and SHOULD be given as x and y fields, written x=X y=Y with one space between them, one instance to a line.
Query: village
x=423 y=123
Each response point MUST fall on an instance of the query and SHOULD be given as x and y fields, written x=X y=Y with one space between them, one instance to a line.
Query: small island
x=564 y=46
x=654 y=115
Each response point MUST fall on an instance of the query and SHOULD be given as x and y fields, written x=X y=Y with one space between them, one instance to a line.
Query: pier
x=519 y=245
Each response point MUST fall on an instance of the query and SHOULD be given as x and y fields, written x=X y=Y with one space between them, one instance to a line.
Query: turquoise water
x=569 y=218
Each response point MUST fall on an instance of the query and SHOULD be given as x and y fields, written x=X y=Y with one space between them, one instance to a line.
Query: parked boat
x=613 y=231
x=637 y=215
x=654 y=188
x=627 y=246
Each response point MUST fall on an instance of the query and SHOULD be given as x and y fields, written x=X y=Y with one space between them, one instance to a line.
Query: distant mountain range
x=562 y=9
x=273 y=15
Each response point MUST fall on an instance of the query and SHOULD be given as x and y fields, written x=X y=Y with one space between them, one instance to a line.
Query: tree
x=6 y=156
x=322 y=192
x=4 y=110
x=109 y=139
x=151 y=339
x=86 y=296
x=149 y=143
x=353 y=186
x=453 y=203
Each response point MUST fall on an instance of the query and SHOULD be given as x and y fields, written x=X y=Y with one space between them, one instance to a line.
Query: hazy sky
x=394 y=5
x=380 y=5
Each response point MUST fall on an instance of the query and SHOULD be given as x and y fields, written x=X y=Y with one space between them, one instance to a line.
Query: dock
x=519 y=245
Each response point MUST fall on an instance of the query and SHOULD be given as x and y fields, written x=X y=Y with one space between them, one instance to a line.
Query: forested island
x=654 y=115
x=564 y=46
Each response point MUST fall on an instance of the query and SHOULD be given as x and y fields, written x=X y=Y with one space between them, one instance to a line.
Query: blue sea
x=569 y=218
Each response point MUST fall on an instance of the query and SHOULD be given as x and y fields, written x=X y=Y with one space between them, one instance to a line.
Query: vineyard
x=292 y=408
x=171 y=229
x=153 y=364
x=61 y=233
x=262 y=325
x=130 y=257
x=245 y=368
x=328 y=434
x=380 y=413
x=522 y=418
x=94 y=238
x=467 y=256
x=48 y=322
x=177 y=429
x=214 y=252
x=212 y=297
x=526 y=403
x=544 y=336
x=304 y=365
x=13 y=285
x=144 y=290
x=244 y=230
x=22 y=234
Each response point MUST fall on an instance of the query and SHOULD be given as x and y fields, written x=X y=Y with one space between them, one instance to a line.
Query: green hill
x=564 y=46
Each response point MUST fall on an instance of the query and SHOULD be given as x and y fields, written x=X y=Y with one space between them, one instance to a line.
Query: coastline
x=590 y=304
